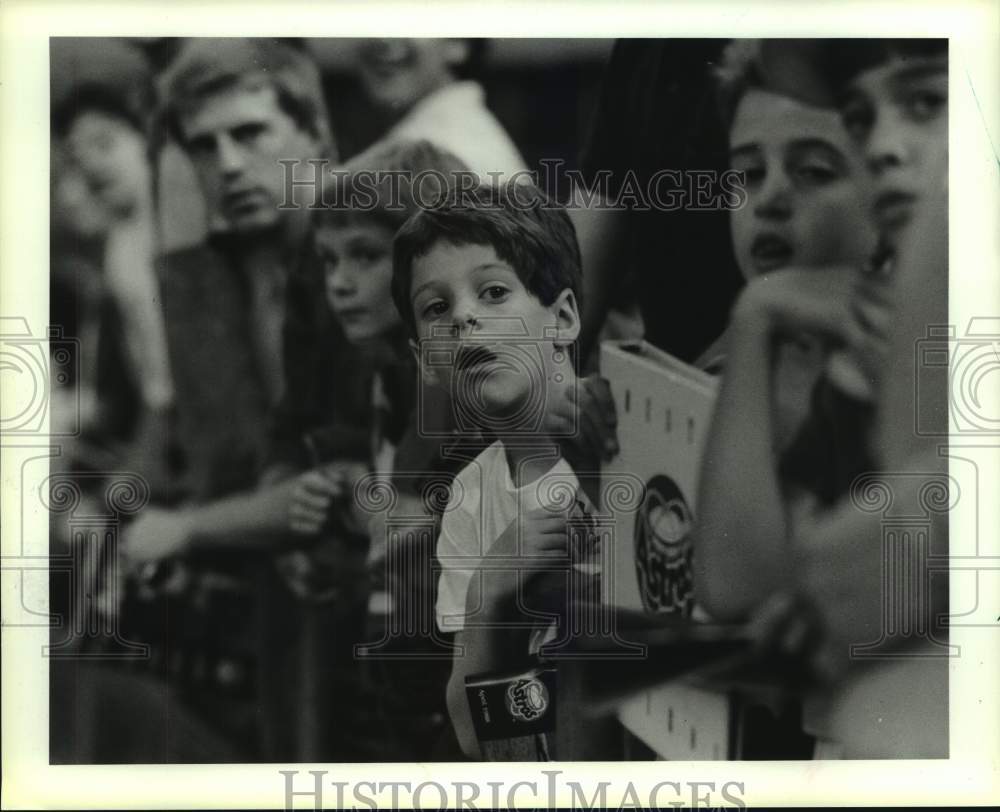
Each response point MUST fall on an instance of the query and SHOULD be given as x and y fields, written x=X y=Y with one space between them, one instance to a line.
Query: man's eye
x=495 y=293
x=246 y=133
x=369 y=256
x=923 y=105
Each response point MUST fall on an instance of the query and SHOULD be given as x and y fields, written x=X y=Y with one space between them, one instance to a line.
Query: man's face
x=807 y=188
x=397 y=73
x=357 y=267
x=897 y=113
x=235 y=139
x=496 y=347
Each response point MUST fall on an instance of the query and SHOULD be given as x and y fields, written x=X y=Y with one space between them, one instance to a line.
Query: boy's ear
x=567 y=317
x=426 y=373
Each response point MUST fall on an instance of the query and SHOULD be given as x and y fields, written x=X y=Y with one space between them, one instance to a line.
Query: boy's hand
x=309 y=499
x=312 y=494
x=586 y=420
x=790 y=302
x=536 y=540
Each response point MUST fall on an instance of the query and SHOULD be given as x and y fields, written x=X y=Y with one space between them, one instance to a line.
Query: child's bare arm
x=743 y=519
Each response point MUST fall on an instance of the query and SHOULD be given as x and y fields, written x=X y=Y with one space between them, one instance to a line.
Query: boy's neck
x=529 y=463
x=531 y=456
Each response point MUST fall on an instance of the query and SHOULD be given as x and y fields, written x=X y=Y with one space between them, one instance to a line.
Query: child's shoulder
x=487 y=468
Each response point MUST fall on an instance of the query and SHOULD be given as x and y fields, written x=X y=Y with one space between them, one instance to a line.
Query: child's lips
x=473 y=357
x=894 y=209
x=769 y=251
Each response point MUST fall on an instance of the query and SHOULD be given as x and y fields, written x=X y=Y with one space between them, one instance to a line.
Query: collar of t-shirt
x=558 y=486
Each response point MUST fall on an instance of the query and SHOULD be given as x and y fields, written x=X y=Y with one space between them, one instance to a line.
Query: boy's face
x=483 y=335
x=111 y=155
x=806 y=186
x=897 y=113
x=357 y=267
x=235 y=139
x=396 y=73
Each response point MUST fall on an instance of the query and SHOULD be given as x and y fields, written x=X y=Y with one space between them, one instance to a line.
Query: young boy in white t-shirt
x=489 y=282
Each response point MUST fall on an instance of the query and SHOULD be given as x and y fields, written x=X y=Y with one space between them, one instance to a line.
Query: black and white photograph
x=544 y=400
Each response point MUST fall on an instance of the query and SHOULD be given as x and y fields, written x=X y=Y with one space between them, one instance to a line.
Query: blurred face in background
x=235 y=139
x=75 y=209
x=109 y=157
x=897 y=113
x=807 y=187
x=356 y=254
x=397 y=73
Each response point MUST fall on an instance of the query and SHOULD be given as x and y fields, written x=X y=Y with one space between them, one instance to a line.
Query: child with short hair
x=799 y=240
x=398 y=714
x=809 y=536
x=489 y=283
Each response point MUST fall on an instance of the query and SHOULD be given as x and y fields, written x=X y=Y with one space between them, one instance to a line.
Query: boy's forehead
x=448 y=262
x=821 y=71
x=764 y=116
x=897 y=69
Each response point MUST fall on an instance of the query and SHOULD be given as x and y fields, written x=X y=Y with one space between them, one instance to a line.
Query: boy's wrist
x=752 y=321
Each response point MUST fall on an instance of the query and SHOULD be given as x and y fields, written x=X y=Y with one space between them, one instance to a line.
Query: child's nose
x=886 y=148
x=774 y=199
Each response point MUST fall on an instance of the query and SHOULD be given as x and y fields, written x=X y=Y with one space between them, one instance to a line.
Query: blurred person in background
x=422 y=89
x=232 y=636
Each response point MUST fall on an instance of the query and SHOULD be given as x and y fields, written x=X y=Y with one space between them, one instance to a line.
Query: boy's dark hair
x=819 y=70
x=528 y=230
x=130 y=105
x=390 y=183
x=206 y=66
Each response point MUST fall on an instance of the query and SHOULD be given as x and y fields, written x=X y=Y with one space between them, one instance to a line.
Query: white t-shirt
x=457 y=119
x=482 y=505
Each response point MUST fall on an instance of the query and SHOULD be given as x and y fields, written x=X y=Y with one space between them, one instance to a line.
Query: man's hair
x=390 y=183
x=528 y=230
x=207 y=66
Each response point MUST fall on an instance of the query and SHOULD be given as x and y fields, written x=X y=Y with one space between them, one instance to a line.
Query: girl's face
x=807 y=191
x=357 y=266
x=897 y=113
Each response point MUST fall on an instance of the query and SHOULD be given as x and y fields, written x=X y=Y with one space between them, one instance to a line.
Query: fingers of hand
x=305 y=519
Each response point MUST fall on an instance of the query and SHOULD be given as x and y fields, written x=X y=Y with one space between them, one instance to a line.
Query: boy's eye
x=753 y=172
x=857 y=117
x=368 y=256
x=201 y=146
x=923 y=105
x=495 y=293
x=434 y=309
x=816 y=174
x=754 y=175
